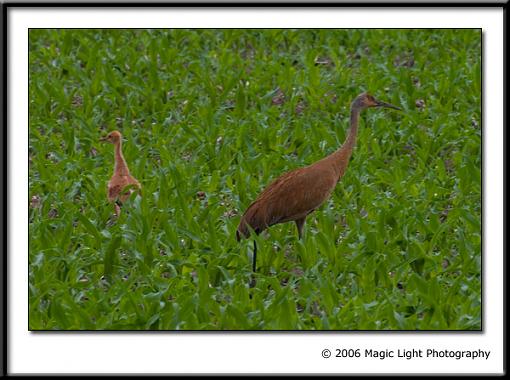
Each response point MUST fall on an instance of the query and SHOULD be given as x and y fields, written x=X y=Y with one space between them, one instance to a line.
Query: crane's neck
x=350 y=141
x=121 y=167
x=340 y=158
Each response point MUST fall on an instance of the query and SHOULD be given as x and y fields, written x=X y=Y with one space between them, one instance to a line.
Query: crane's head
x=112 y=137
x=366 y=100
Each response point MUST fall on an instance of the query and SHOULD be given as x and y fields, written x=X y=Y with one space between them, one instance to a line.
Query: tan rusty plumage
x=299 y=192
x=121 y=177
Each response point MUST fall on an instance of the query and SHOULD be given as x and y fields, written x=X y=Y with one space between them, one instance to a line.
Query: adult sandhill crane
x=121 y=178
x=299 y=192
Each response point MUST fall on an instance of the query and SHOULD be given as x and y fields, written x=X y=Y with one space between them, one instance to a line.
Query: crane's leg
x=299 y=224
x=254 y=256
x=253 y=281
x=117 y=210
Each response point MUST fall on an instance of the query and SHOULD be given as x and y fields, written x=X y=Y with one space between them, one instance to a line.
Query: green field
x=211 y=117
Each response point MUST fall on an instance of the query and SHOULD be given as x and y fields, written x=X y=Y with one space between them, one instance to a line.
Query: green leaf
x=111 y=255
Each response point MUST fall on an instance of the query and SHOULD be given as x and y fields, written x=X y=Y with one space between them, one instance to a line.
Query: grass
x=210 y=117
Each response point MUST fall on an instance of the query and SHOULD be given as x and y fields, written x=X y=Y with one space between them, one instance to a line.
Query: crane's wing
x=295 y=194
x=117 y=187
x=114 y=191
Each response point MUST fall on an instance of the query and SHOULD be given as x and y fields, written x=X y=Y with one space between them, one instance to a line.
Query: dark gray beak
x=387 y=105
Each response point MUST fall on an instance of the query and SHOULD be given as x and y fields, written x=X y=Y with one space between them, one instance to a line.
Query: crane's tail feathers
x=242 y=230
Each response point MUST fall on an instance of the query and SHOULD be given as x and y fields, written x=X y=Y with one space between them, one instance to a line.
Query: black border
x=262 y=4
x=3 y=193
x=42 y=331
x=504 y=186
x=317 y=4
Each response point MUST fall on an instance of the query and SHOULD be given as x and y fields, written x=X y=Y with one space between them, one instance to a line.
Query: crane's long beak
x=104 y=138
x=387 y=105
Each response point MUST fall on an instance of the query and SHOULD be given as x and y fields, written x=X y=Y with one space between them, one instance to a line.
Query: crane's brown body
x=121 y=177
x=297 y=193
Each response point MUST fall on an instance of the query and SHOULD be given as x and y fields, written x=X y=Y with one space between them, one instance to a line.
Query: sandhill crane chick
x=121 y=177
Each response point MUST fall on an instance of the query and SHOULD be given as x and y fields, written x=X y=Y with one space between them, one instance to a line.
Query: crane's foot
x=111 y=221
x=117 y=210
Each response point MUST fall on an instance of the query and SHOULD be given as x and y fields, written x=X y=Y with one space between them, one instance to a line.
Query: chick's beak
x=104 y=138
x=387 y=105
